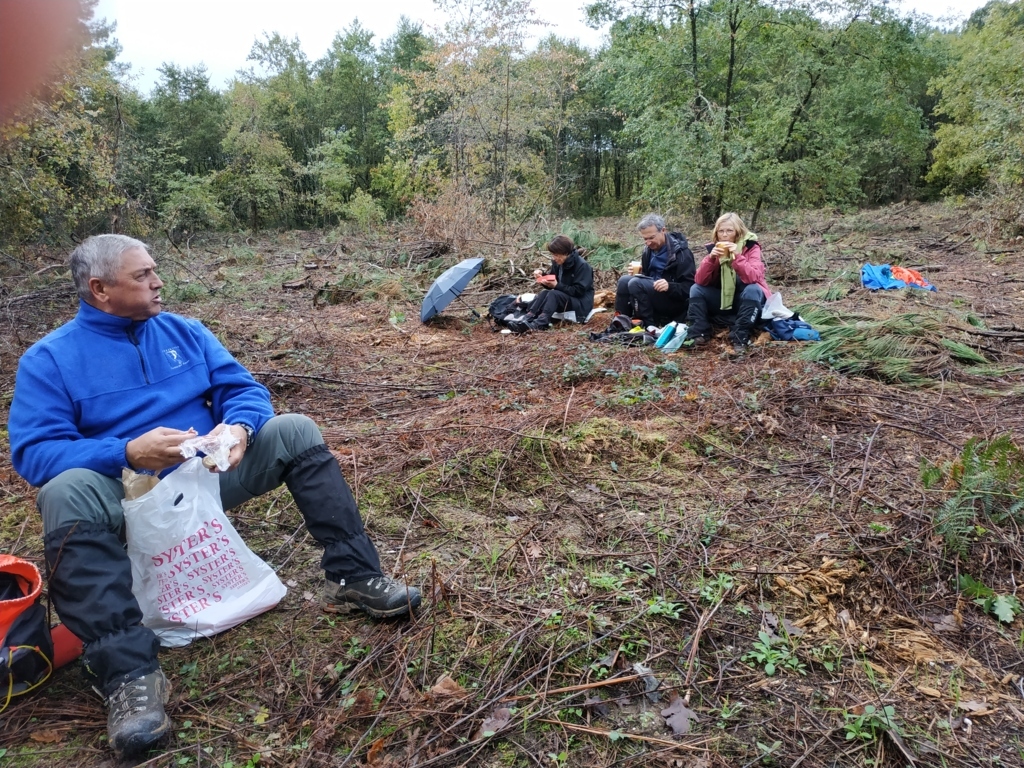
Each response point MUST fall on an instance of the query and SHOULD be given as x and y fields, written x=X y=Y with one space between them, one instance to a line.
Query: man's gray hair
x=651 y=220
x=99 y=256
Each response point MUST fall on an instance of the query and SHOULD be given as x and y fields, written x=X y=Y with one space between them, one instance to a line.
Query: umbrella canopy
x=448 y=286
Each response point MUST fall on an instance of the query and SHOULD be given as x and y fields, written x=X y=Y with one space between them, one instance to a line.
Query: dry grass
x=573 y=512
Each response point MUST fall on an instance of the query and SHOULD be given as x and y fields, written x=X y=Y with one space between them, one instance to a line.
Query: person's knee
x=299 y=433
x=638 y=285
x=752 y=292
x=623 y=285
x=81 y=495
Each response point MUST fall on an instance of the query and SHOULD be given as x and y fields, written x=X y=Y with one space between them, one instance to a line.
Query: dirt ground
x=628 y=558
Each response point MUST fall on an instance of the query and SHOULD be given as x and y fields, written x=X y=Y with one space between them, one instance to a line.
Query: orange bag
x=27 y=652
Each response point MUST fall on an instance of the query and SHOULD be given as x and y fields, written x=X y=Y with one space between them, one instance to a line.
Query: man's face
x=654 y=238
x=136 y=291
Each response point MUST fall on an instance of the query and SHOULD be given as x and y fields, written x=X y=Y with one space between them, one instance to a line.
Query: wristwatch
x=250 y=434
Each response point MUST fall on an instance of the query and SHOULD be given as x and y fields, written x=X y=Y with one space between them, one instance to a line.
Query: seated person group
x=123 y=384
x=728 y=288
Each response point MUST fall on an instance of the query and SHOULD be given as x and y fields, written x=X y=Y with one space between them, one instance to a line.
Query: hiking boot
x=136 y=720
x=739 y=348
x=381 y=597
x=513 y=317
x=519 y=326
x=538 y=323
x=694 y=342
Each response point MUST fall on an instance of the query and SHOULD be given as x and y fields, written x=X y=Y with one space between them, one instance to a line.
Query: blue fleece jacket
x=86 y=389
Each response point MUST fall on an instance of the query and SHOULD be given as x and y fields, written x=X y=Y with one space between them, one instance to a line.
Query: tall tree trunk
x=734 y=26
x=798 y=112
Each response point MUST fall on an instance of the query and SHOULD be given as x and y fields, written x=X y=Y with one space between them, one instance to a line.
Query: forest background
x=690 y=108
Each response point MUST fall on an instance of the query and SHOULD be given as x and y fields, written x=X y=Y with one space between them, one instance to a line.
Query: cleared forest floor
x=616 y=546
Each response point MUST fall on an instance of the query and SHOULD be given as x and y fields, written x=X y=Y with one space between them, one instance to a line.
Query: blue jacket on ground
x=86 y=389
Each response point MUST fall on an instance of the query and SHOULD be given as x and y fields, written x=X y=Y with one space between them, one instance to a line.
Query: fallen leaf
x=533 y=550
x=497 y=720
x=307 y=596
x=292 y=583
x=650 y=682
x=46 y=737
x=935 y=693
x=792 y=628
x=374 y=751
x=977 y=708
x=679 y=717
x=446 y=686
x=609 y=660
x=261 y=716
x=947 y=623
x=595 y=705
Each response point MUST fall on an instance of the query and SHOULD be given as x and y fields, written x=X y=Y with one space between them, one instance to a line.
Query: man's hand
x=157 y=449
x=238 y=450
x=661 y=285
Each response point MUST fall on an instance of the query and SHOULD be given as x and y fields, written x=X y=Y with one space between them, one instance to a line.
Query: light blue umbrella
x=448 y=287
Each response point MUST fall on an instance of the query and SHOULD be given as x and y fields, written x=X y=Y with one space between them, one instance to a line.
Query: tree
x=58 y=152
x=980 y=141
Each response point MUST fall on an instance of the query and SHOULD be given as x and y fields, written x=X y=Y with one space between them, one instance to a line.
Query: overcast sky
x=220 y=33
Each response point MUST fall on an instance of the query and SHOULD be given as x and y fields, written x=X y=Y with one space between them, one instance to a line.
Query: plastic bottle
x=667 y=333
x=673 y=344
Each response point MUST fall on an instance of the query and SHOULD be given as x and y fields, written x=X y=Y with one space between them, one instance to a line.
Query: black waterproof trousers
x=635 y=297
x=89 y=573
x=705 y=309
x=548 y=302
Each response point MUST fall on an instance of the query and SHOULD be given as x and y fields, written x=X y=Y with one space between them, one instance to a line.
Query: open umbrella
x=448 y=287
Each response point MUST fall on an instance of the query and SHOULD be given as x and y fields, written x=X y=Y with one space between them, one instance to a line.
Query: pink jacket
x=748 y=265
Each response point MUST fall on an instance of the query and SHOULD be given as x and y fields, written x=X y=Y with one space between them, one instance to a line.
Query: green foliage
x=364 y=211
x=772 y=653
x=331 y=175
x=601 y=254
x=584 y=365
x=909 y=349
x=1004 y=607
x=191 y=206
x=984 y=484
x=981 y=139
x=58 y=154
x=871 y=723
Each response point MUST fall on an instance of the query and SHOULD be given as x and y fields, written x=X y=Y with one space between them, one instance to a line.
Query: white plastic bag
x=191 y=572
x=774 y=308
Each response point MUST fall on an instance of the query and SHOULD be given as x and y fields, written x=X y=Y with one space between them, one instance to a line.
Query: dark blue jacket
x=680 y=270
x=86 y=389
x=576 y=280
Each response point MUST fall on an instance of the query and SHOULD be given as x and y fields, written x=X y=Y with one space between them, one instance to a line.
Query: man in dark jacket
x=122 y=385
x=567 y=286
x=660 y=292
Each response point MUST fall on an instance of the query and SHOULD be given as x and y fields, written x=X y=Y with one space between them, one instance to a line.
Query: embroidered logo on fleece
x=175 y=358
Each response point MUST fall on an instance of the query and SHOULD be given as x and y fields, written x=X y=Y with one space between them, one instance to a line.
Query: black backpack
x=504 y=305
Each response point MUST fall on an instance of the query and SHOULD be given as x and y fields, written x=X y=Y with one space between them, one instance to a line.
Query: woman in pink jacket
x=729 y=287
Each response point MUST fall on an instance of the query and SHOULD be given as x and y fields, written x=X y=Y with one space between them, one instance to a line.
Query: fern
x=986 y=482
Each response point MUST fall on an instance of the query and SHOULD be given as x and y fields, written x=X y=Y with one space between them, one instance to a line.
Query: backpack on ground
x=502 y=307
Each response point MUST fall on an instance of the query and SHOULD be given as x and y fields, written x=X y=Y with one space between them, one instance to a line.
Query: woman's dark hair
x=561 y=245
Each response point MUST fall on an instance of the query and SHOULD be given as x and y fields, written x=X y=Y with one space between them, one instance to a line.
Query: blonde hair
x=737 y=223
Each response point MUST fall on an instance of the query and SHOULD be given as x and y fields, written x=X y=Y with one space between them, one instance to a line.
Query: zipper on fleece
x=142 y=361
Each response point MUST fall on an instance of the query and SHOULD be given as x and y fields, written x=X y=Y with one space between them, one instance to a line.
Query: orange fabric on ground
x=910 y=276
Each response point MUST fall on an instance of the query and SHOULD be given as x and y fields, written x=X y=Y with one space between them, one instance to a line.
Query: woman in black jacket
x=569 y=284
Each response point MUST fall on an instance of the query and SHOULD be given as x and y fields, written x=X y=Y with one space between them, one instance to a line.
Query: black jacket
x=680 y=270
x=576 y=280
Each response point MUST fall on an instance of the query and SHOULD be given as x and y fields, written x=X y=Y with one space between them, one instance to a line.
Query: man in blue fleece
x=121 y=385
